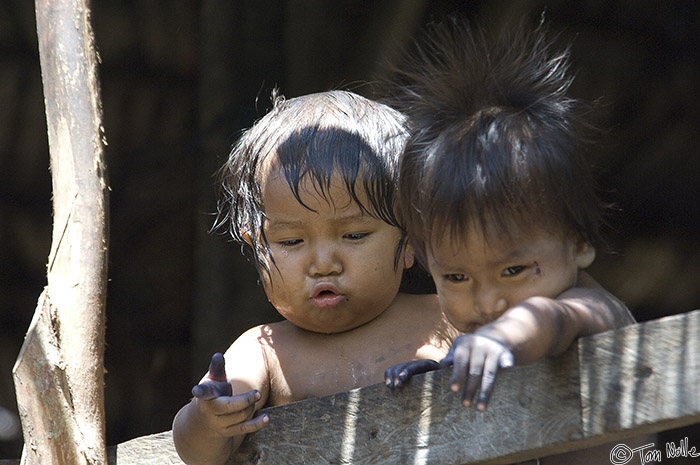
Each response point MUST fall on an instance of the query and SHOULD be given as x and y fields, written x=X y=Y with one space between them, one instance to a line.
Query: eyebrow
x=501 y=260
x=341 y=219
x=511 y=256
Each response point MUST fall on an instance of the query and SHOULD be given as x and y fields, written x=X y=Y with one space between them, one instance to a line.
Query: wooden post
x=59 y=373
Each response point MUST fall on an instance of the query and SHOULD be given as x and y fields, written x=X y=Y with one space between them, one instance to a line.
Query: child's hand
x=226 y=414
x=476 y=359
x=397 y=375
x=217 y=385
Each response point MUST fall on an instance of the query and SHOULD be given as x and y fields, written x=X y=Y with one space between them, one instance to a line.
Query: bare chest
x=324 y=369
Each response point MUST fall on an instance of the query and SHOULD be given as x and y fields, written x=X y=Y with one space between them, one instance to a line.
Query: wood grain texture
x=641 y=376
x=615 y=385
x=59 y=373
x=424 y=422
x=155 y=449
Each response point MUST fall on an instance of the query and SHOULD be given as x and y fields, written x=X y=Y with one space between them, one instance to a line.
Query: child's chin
x=334 y=327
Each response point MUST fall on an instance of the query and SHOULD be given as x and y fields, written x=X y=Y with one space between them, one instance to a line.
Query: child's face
x=478 y=280
x=334 y=266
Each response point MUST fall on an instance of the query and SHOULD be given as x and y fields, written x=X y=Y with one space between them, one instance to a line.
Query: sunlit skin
x=515 y=299
x=335 y=281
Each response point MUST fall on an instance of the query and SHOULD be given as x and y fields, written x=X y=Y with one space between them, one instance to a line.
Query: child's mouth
x=325 y=296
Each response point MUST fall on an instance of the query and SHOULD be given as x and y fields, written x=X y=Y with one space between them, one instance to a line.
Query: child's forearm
x=194 y=445
x=531 y=329
x=540 y=326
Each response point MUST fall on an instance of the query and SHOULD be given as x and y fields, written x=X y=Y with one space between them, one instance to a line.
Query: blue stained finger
x=210 y=389
x=487 y=384
x=217 y=367
x=473 y=381
x=203 y=391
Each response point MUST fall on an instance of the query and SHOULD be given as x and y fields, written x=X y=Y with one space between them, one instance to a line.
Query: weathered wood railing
x=611 y=386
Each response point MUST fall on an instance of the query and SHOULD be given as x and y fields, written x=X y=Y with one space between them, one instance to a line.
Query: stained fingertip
x=197 y=391
x=507 y=361
x=217 y=367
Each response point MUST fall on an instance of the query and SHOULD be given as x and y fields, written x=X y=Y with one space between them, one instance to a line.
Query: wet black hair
x=495 y=140
x=314 y=137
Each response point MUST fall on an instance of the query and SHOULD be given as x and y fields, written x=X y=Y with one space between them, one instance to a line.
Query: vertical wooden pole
x=59 y=373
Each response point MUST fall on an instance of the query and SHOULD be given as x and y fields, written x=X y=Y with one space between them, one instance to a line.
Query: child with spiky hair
x=310 y=189
x=498 y=200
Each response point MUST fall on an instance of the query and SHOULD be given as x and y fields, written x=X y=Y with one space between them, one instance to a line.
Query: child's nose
x=489 y=305
x=325 y=261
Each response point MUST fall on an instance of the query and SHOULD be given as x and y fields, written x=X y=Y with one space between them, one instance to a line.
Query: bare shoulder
x=601 y=302
x=420 y=314
x=263 y=338
x=247 y=364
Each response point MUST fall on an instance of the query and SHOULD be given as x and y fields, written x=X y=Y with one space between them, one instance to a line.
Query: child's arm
x=214 y=423
x=539 y=326
x=534 y=328
x=530 y=330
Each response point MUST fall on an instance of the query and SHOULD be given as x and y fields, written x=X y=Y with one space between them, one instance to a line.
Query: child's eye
x=290 y=242
x=356 y=236
x=513 y=270
x=456 y=277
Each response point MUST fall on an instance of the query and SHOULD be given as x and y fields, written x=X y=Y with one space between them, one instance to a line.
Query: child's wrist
x=493 y=335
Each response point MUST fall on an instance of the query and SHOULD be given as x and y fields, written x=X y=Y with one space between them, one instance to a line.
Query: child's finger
x=488 y=380
x=476 y=368
x=237 y=403
x=417 y=367
x=391 y=374
x=460 y=363
x=506 y=360
x=249 y=426
x=397 y=375
x=211 y=389
x=217 y=367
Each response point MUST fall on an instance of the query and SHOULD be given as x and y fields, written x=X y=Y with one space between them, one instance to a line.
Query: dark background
x=180 y=79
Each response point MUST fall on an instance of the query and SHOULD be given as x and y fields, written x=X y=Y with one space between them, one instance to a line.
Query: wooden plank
x=642 y=375
x=425 y=423
x=155 y=449
x=615 y=385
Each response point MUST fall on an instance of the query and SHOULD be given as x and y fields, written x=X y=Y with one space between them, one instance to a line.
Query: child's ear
x=409 y=256
x=585 y=254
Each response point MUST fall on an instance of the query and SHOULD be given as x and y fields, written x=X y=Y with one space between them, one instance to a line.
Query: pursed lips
x=326 y=295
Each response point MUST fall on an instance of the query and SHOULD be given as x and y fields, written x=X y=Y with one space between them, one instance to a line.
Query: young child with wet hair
x=499 y=202
x=310 y=188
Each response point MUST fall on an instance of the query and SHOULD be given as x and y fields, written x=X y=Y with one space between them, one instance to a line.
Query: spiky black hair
x=494 y=138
